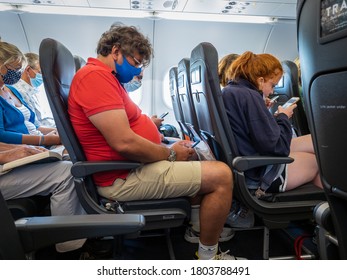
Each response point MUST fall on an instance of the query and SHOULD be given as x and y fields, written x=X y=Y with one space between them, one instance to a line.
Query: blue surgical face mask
x=133 y=85
x=37 y=81
x=11 y=77
x=125 y=71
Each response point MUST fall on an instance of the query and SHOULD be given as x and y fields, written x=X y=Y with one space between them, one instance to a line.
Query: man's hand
x=157 y=121
x=18 y=152
x=184 y=150
x=53 y=132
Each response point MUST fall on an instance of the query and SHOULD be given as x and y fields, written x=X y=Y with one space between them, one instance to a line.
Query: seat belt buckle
x=115 y=207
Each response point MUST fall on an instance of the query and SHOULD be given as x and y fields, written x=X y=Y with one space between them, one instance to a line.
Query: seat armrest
x=84 y=168
x=248 y=162
x=39 y=232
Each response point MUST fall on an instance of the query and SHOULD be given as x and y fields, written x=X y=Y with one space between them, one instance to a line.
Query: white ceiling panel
x=159 y=5
x=76 y=3
x=36 y=2
x=272 y=8
x=70 y=3
x=269 y=8
x=112 y=4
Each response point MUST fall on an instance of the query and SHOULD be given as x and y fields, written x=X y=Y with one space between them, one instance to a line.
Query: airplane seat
x=58 y=69
x=176 y=104
x=29 y=206
x=284 y=208
x=79 y=62
x=287 y=88
x=322 y=40
x=21 y=238
x=185 y=96
x=326 y=241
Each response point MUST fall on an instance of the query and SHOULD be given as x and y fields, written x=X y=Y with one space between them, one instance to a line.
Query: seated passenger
x=240 y=216
x=44 y=179
x=258 y=132
x=29 y=86
x=297 y=62
x=224 y=64
x=18 y=123
x=110 y=126
x=135 y=84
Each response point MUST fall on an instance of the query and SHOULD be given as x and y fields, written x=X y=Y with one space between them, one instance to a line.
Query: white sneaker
x=193 y=236
x=221 y=256
x=226 y=256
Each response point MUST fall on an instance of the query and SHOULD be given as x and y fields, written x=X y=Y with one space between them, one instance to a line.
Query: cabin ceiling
x=279 y=9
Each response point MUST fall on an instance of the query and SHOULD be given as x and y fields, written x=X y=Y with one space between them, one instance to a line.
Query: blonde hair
x=32 y=59
x=250 y=66
x=9 y=53
x=224 y=64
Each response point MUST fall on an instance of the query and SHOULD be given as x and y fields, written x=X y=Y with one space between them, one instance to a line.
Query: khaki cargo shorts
x=158 y=180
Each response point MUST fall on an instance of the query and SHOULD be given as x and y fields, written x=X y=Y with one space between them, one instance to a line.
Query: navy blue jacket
x=256 y=130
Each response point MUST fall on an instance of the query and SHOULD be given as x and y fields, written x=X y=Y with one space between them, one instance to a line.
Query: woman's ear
x=260 y=82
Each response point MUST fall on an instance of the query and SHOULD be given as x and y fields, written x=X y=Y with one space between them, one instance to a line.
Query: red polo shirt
x=95 y=89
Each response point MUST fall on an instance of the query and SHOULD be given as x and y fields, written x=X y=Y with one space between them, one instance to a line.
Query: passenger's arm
x=38 y=140
x=6 y=135
x=269 y=135
x=14 y=152
x=115 y=128
x=20 y=138
x=5 y=146
x=47 y=130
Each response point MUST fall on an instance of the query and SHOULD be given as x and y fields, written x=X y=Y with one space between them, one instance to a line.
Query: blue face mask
x=126 y=71
x=37 y=81
x=11 y=77
x=132 y=85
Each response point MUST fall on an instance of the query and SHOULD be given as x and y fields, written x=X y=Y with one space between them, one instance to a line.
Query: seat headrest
x=57 y=64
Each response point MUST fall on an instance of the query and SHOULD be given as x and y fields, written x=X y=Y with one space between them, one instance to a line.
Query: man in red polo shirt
x=112 y=127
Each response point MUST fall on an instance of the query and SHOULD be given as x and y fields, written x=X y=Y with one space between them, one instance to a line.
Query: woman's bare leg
x=302 y=144
x=303 y=170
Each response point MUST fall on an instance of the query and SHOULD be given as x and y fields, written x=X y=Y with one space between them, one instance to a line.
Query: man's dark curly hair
x=128 y=39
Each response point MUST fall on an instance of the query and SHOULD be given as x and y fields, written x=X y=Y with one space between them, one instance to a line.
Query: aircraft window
x=195 y=75
x=136 y=96
x=180 y=81
x=280 y=84
x=166 y=90
x=44 y=104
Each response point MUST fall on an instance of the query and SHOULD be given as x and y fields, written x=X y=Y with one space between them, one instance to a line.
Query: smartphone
x=272 y=100
x=195 y=143
x=290 y=102
x=163 y=115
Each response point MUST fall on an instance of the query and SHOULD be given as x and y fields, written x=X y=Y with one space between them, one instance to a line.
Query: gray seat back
x=322 y=41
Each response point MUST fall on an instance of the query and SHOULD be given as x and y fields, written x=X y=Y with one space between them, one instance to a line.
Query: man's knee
x=217 y=173
x=62 y=175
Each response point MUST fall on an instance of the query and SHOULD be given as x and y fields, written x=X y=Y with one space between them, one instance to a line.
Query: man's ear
x=115 y=52
x=27 y=70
